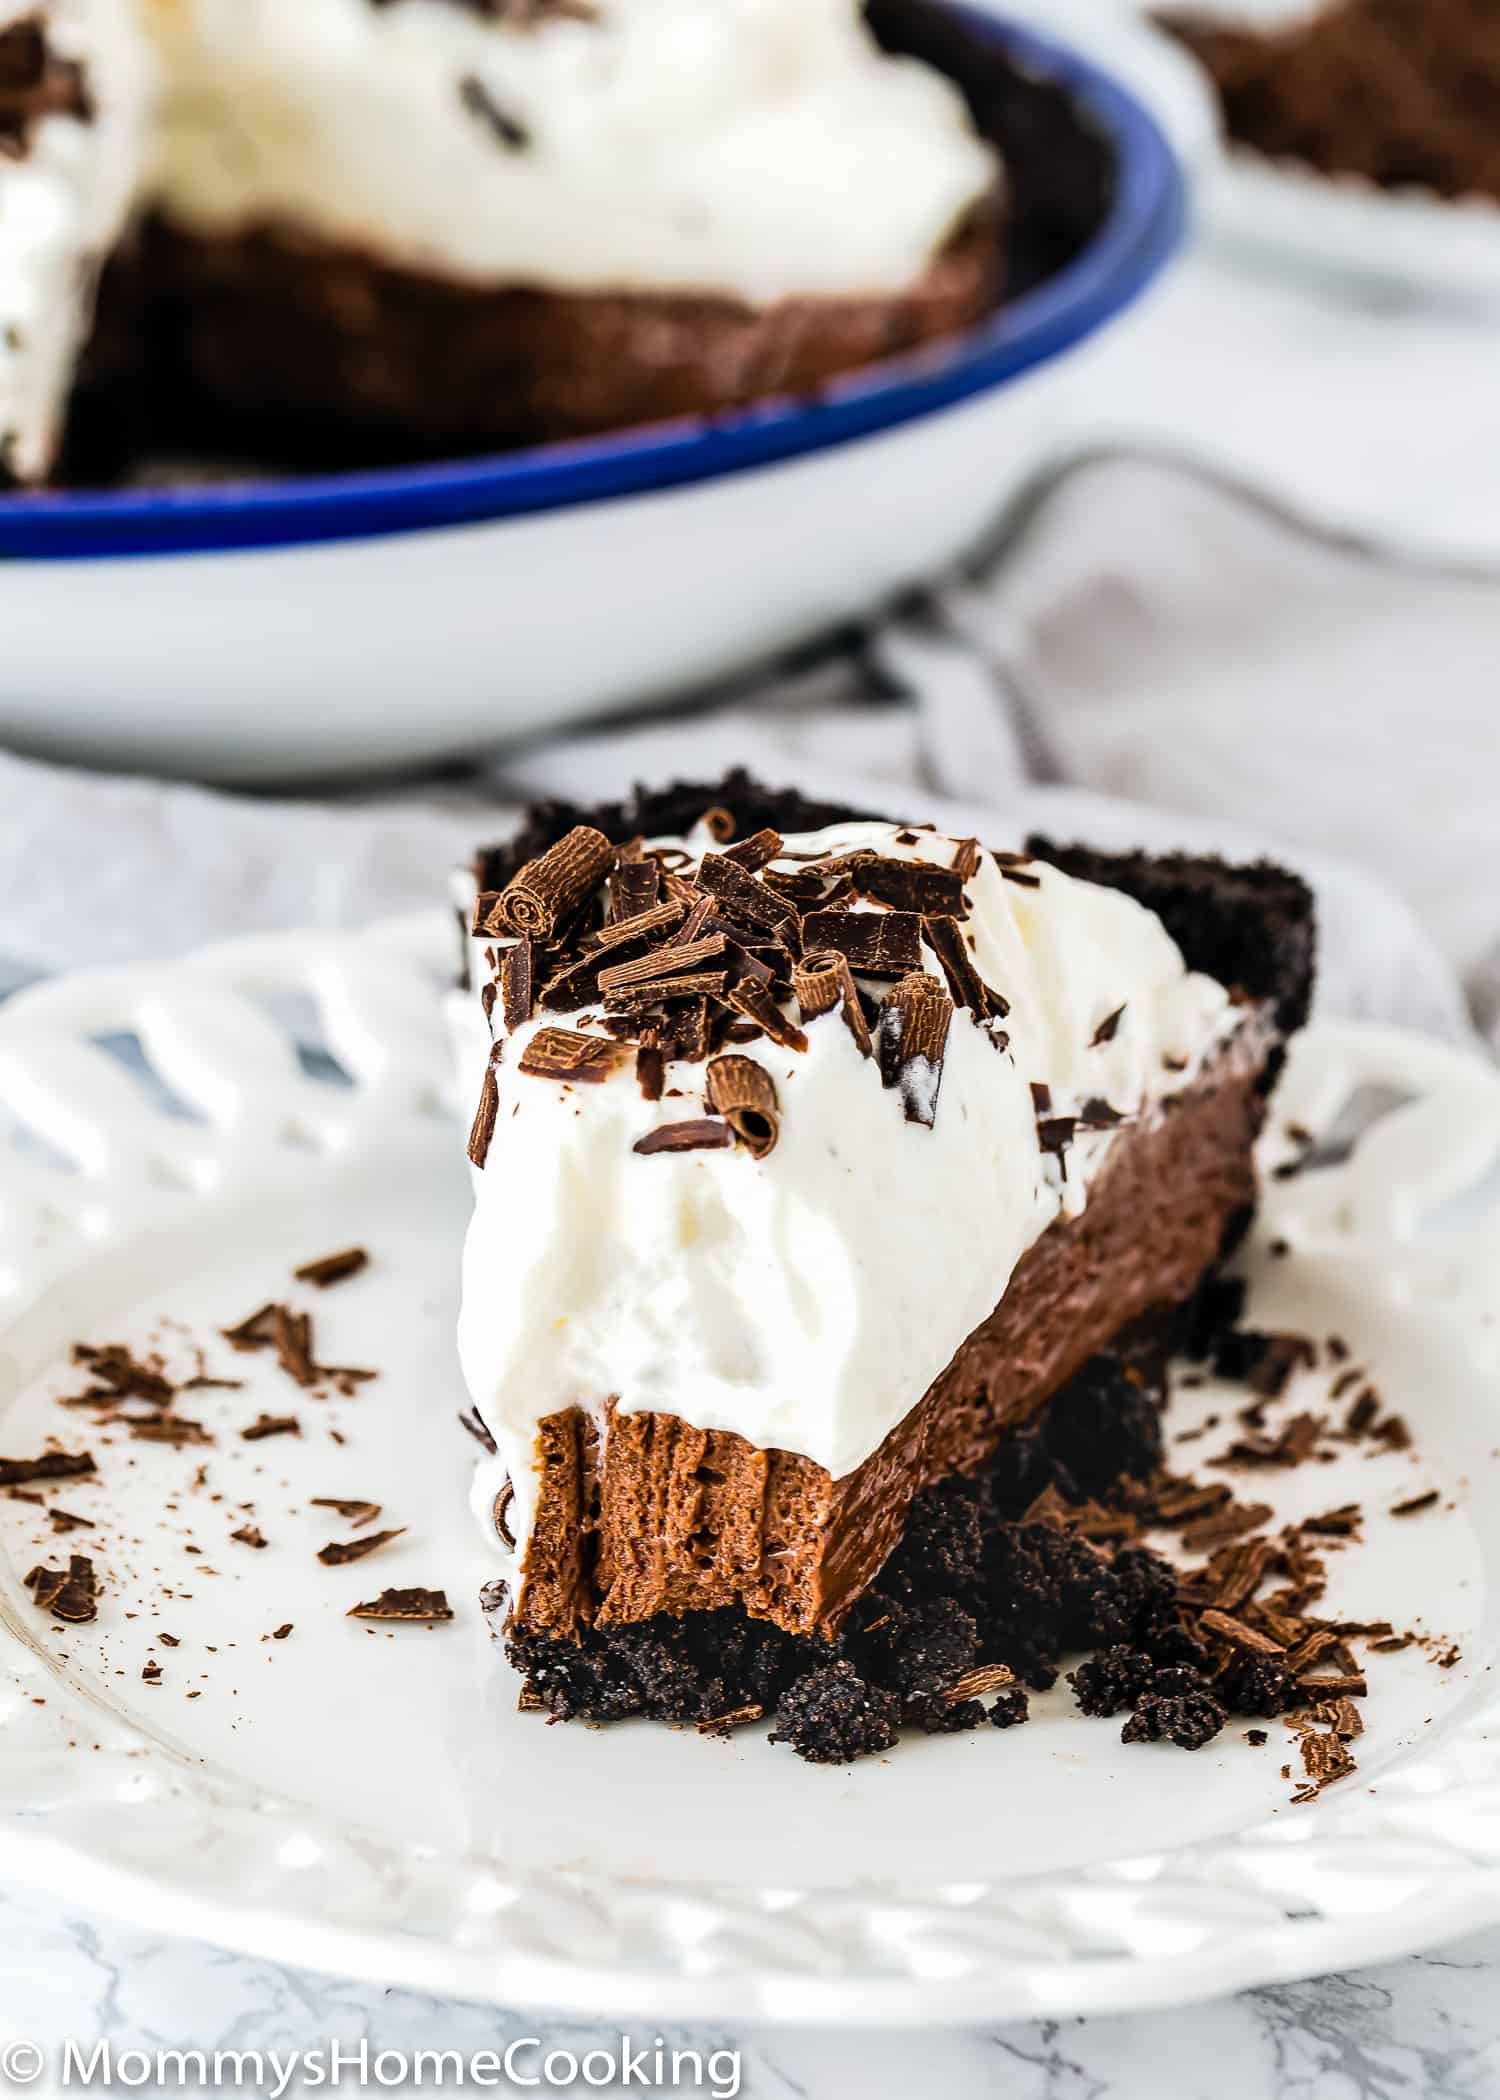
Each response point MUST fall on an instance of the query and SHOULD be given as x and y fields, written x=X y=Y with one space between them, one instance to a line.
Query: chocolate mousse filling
x=658 y=1521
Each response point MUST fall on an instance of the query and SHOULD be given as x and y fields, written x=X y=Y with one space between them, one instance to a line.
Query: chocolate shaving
x=1108 y=1029
x=469 y=1419
x=744 y=1094
x=755 y=1002
x=67 y=1520
x=176 y=1430
x=1414 y=1504
x=978 y=1683
x=563 y=1054
x=482 y=1131
x=634 y=889
x=339 y=1551
x=966 y=859
x=718 y=822
x=722 y=1724
x=479 y=100
x=752 y=853
x=113 y=1365
x=650 y=1068
x=51 y=1465
x=333 y=1268
x=915 y=1017
x=356 y=1511
x=499 y=1510
x=875 y=943
x=249 y=1535
x=745 y=899
x=270 y=1425
x=517 y=985
x=70 y=1593
x=1238 y=1634
x=544 y=896
x=691 y=984
x=945 y=938
x=912 y=886
x=414 y=1605
x=1019 y=876
x=646 y=973
x=701 y=1135
x=620 y=933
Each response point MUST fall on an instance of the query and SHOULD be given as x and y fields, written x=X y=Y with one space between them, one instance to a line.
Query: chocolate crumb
x=249 y=1535
x=281 y=1632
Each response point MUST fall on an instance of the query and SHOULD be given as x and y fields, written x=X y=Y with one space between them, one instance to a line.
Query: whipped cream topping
x=757 y=147
x=63 y=204
x=807 y=1299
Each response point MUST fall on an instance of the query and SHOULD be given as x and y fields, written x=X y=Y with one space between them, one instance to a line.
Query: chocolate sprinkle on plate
x=416 y=1606
x=271 y=1425
x=70 y=1593
x=333 y=1268
x=356 y=1511
x=338 y=1551
x=51 y=1465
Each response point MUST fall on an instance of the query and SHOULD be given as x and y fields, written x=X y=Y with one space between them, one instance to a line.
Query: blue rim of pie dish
x=1139 y=234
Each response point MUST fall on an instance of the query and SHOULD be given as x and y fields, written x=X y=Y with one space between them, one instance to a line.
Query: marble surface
x=1424 y=2029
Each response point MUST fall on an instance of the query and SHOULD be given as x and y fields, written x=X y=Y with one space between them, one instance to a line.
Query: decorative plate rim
x=1141 y=231
x=134 y=1831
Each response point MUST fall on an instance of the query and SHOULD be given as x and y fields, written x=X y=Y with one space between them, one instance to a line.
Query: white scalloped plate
x=371 y=1802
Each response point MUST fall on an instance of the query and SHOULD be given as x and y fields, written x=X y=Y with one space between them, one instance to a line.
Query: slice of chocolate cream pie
x=814 y=1155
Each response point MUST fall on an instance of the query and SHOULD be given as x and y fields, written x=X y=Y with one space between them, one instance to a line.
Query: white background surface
x=1418 y=2030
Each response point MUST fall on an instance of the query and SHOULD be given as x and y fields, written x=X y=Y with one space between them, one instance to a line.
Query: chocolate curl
x=752 y=853
x=914 y=1020
x=966 y=859
x=744 y=1094
x=719 y=823
x=517 y=991
x=824 y=981
x=483 y=1131
x=548 y=891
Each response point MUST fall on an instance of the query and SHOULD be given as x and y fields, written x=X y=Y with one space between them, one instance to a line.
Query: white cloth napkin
x=1076 y=664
